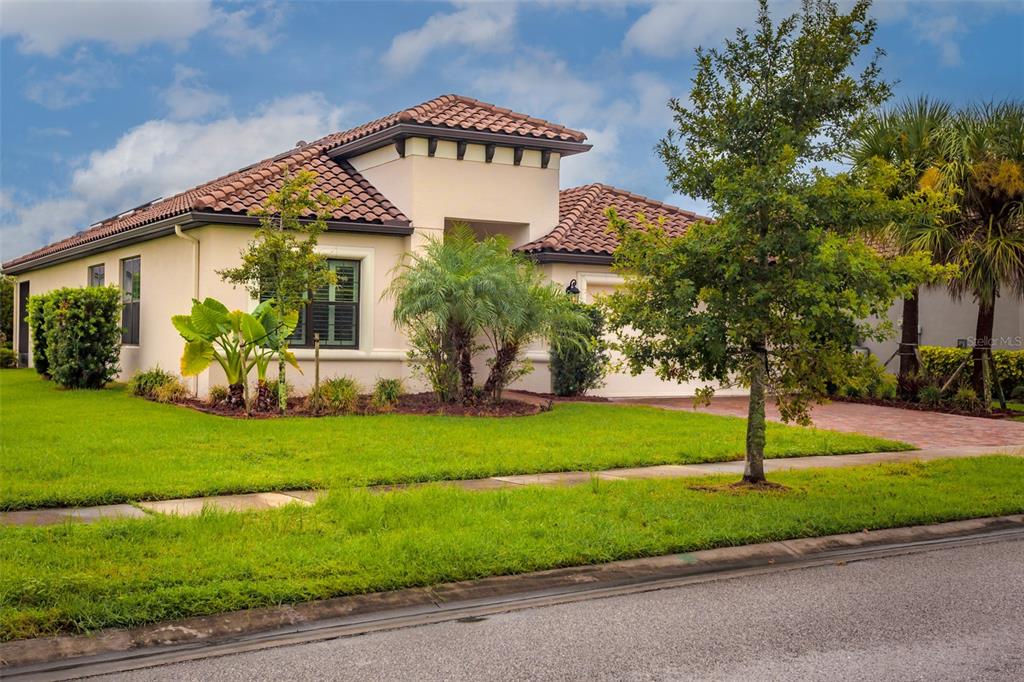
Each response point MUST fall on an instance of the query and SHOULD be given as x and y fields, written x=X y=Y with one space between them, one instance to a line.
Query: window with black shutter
x=332 y=311
x=131 y=289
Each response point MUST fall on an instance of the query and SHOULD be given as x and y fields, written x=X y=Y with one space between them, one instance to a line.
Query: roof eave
x=400 y=131
x=572 y=257
x=188 y=221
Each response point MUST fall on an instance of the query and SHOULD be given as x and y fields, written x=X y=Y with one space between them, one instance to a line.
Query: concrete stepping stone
x=49 y=517
x=235 y=503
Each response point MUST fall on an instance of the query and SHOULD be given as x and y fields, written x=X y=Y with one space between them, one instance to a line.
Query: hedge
x=941 y=362
x=578 y=369
x=77 y=335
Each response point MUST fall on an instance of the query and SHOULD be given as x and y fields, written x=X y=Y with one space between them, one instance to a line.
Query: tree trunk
x=236 y=395
x=464 y=351
x=753 y=471
x=264 y=401
x=982 y=347
x=496 y=379
x=282 y=386
x=909 y=338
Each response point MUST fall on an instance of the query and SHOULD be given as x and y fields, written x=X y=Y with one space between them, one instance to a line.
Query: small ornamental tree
x=282 y=260
x=772 y=295
x=578 y=368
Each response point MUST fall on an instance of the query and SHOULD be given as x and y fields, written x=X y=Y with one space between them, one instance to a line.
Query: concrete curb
x=49 y=656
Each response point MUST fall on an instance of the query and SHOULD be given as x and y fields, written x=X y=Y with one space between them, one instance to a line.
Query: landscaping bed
x=409 y=403
x=80 y=578
x=74 y=448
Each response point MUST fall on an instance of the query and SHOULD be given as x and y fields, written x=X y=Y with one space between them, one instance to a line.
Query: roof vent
x=301 y=143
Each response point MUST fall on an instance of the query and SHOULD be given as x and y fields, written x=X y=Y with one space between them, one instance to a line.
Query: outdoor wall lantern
x=572 y=289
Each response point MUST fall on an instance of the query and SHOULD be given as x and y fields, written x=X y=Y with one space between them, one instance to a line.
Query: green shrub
x=37 y=333
x=576 y=369
x=941 y=362
x=930 y=395
x=174 y=391
x=338 y=395
x=886 y=388
x=217 y=394
x=82 y=328
x=1017 y=394
x=864 y=378
x=967 y=400
x=386 y=393
x=144 y=384
x=8 y=358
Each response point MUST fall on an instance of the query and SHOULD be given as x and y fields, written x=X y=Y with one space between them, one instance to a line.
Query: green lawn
x=76 y=578
x=94 y=447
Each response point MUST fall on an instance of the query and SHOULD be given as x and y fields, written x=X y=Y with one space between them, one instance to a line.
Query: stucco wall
x=430 y=190
x=166 y=285
x=594 y=281
x=943 y=321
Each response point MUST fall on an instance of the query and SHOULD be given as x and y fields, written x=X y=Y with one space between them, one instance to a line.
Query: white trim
x=344 y=354
x=584 y=279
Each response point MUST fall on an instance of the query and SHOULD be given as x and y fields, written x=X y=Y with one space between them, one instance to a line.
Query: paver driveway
x=923 y=429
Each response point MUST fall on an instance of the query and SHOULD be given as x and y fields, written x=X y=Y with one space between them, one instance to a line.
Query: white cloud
x=188 y=98
x=540 y=82
x=669 y=29
x=74 y=86
x=600 y=164
x=482 y=26
x=941 y=32
x=160 y=158
x=48 y=26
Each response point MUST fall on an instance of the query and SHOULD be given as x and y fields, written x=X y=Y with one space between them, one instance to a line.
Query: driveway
x=923 y=429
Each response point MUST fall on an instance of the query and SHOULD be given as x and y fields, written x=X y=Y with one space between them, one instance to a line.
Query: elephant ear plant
x=277 y=328
x=236 y=340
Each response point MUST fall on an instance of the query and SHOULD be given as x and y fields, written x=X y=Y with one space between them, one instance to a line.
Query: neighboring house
x=408 y=176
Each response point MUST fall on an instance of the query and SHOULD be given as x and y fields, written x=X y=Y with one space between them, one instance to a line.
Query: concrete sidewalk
x=193 y=506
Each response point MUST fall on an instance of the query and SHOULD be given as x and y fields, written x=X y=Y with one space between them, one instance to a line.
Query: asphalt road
x=950 y=614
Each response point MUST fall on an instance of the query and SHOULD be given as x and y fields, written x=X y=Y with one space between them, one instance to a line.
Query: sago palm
x=909 y=138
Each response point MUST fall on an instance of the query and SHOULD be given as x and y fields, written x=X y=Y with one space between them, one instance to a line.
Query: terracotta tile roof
x=457 y=112
x=242 y=190
x=583 y=228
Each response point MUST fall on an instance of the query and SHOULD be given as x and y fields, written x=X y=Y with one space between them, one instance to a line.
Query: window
x=131 y=285
x=332 y=311
x=97 y=275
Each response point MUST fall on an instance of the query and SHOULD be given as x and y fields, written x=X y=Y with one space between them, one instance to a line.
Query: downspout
x=195 y=280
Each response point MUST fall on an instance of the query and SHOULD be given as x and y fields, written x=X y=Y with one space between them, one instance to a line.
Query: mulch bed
x=411 y=403
x=996 y=412
x=566 y=398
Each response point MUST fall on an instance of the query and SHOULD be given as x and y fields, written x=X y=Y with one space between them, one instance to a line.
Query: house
x=408 y=176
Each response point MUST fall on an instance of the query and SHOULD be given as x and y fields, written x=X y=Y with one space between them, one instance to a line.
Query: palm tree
x=909 y=138
x=984 y=164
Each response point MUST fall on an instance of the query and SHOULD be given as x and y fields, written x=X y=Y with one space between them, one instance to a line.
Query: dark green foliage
x=386 y=393
x=36 y=331
x=578 y=368
x=1018 y=393
x=6 y=310
x=82 y=328
x=338 y=395
x=930 y=395
x=144 y=384
x=8 y=358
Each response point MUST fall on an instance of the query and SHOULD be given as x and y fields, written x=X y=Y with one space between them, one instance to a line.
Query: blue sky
x=106 y=105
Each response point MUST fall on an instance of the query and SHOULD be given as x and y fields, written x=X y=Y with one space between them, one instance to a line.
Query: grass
x=98 y=447
x=77 y=578
x=1012 y=405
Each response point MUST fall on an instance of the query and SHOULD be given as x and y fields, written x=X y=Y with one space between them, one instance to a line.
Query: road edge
x=47 y=657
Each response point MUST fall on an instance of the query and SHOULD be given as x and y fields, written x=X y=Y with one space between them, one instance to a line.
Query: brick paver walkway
x=923 y=429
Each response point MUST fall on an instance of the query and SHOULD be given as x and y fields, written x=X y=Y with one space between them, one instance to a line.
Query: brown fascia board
x=405 y=130
x=570 y=257
x=189 y=221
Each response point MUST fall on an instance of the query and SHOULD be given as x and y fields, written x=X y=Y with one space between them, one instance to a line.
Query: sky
x=107 y=105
